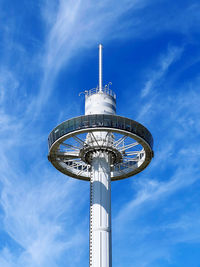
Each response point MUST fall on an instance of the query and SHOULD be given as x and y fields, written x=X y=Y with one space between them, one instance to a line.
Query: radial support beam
x=100 y=212
x=100 y=67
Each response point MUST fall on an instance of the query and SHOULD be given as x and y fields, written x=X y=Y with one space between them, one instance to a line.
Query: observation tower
x=100 y=147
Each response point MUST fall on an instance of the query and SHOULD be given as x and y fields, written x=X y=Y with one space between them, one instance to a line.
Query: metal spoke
x=117 y=168
x=79 y=140
x=121 y=171
x=95 y=139
x=131 y=159
x=128 y=165
x=83 y=169
x=131 y=164
x=73 y=160
x=73 y=154
x=65 y=160
x=105 y=138
x=129 y=146
x=70 y=146
x=131 y=153
x=75 y=164
x=120 y=140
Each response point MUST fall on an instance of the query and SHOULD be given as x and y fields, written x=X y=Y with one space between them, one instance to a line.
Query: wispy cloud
x=174 y=171
x=33 y=218
x=171 y=150
x=154 y=77
x=35 y=205
x=154 y=190
x=75 y=28
x=41 y=211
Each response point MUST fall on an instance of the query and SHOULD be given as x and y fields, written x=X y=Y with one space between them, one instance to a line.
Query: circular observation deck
x=129 y=144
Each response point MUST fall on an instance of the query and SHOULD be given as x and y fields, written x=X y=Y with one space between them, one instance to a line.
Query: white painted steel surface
x=100 y=66
x=100 y=145
x=100 y=103
x=100 y=212
x=100 y=191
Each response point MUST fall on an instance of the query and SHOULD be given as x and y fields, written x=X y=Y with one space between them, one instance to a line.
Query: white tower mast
x=100 y=147
x=100 y=67
x=100 y=196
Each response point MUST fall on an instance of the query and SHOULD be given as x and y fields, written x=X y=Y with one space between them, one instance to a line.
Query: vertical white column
x=100 y=67
x=100 y=212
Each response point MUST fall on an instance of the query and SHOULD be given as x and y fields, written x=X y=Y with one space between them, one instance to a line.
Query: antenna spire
x=100 y=67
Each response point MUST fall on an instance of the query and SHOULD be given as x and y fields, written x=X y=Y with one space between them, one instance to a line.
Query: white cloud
x=37 y=206
x=165 y=61
x=151 y=190
x=174 y=171
x=77 y=27
x=33 y=218
x=34 y=203
x=172 y=148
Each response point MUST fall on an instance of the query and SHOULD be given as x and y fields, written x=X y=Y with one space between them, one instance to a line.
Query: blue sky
x=48 y=54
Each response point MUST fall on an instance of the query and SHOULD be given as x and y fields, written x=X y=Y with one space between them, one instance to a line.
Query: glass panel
x=107 y=121
x=99 y=121
x=133 y=126
x=85 y=123
x=52 y=140
x=49 y=142
x=113 y=121
x=92 y=121
x=71 y=125
x=120 y=123
x=127 y=125
x=61 y=129
x=65 y=126
x=52 y=136
x=77 y=123
x=137 y=129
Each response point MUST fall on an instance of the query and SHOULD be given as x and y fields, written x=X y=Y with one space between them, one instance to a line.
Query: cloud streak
x=41 y=211
x=155 y=77
x=75 y=28
x=173 y=172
